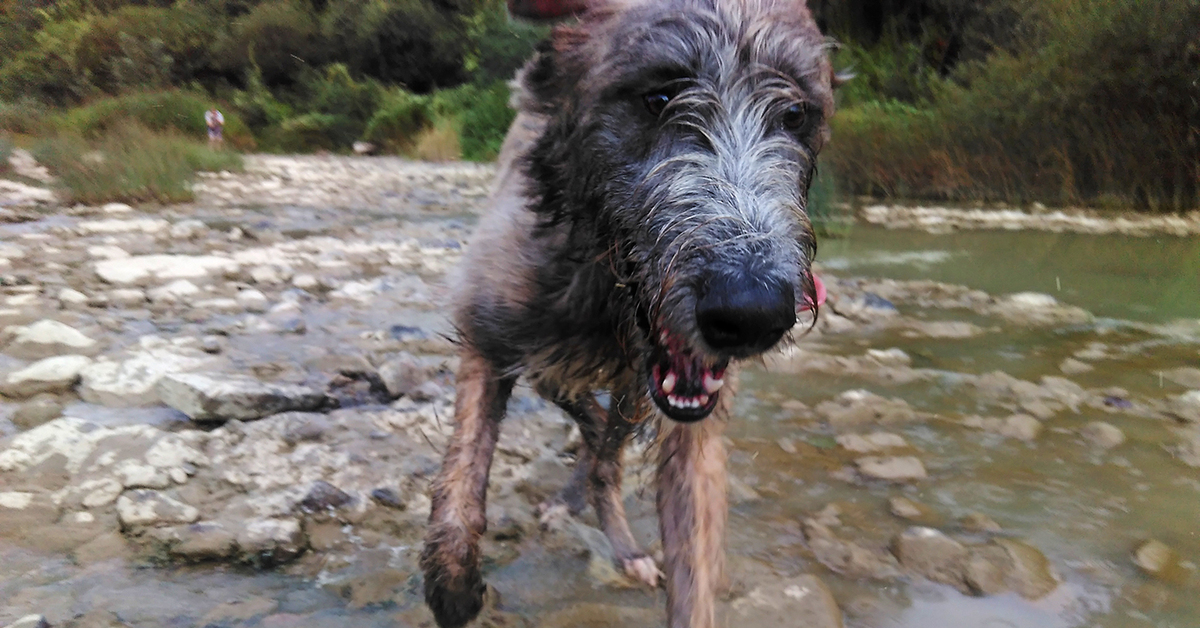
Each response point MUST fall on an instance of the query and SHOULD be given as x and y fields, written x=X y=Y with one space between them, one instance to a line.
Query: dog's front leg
x=692 y=511
x=451 y=559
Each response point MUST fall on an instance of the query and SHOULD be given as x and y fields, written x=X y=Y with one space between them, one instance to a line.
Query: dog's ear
x=546 y=9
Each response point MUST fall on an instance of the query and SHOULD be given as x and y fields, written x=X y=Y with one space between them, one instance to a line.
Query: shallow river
x=1084 y=507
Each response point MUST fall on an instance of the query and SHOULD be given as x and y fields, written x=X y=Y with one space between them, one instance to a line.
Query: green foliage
x=1099 y=105
x=25 y=117
x=418 y=44
x=130 y=163
x=402 y=116
x=279 y=39
x=499 y=46
x=484 y=121
x=170 y=110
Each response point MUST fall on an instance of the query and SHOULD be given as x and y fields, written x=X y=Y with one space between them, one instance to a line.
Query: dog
x=648 y=231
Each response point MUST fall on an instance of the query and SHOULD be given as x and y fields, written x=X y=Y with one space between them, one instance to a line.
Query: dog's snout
x=742 y=315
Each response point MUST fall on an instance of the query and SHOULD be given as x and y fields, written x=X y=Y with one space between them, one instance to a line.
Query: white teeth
x=712 y=384
x=668 y=382
x=688 y=402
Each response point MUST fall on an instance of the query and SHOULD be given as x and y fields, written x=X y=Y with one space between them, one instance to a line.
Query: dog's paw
x=642 y=569
x=454 y=606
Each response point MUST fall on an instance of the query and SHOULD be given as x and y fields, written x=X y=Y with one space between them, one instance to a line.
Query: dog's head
x=682 y=137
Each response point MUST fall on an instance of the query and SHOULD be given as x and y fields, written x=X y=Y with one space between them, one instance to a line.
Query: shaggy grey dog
x=648 y=230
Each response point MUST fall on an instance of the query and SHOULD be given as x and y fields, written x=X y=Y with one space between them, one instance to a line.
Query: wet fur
x=602 y=227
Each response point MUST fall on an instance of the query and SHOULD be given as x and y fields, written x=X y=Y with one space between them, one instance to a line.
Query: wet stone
x=892 y=468
x=36 y=411
x=1156 y=558
x=933 y=555
x=1186 y=407
x=1031 y=575
x=47 y=338
x=30 y=621
x=800 y=601
x=869 y=443
x=387 y=497
x=402 y=375
x=323 y=497
x=203 y=541
x=206 y=397
x=54 y=374
x=143 y=507
x=906 y=508
x=1071 y=366
x=1102 y=435
x=979 y=522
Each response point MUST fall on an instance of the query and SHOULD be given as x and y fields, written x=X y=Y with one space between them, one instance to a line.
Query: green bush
x=130 y=163
x=25 y=117
x=280 y=39
x=176 y=110
x=417 y=44
x=399 y=120
x=1099 y=105
x=311 y=132
x=484 y=122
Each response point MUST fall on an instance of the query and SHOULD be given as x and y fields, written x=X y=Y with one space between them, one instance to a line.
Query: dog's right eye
x=656 y=102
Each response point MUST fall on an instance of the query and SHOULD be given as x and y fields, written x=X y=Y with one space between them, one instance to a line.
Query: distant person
x=215 y=122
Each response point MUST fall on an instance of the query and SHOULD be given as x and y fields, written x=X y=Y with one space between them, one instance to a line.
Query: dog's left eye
x=795 y=118
x=656 y=102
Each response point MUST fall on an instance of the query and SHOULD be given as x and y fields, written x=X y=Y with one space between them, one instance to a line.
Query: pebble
x=892 y=468
x=1156 y=558
x=1102 y=435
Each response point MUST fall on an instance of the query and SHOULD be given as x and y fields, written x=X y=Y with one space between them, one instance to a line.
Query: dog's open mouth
x=684 y=385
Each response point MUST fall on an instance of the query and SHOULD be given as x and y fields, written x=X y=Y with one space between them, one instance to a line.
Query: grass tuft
x=130 y=163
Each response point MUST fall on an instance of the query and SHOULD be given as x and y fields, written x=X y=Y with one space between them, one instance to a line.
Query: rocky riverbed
x=226 y=413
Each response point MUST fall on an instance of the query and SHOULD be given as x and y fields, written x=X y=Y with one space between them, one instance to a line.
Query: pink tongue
x=808 y=305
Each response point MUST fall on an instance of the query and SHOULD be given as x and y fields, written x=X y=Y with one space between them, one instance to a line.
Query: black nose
x=743 y=314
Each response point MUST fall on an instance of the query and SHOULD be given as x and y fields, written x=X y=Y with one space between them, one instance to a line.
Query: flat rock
x=1019 y=426
x=47 y=338
x=1036 y=309
x=402 y=375
x=270 y=541
x=134 y=270
x=37 y=410
x=30 y=621
x=801 y=601
x=54 y=374
x=906 y=508
x=174 y=292
x=854 y=408
x=933 y=555
x=131 y=381
x=869 y=443
x=892 y=468
x=1102 y=435
x=1071 y=366
x=212 y=397
x=1186 y=407
x=143 y=507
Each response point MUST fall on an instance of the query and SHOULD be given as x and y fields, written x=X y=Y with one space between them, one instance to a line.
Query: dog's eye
x=656 y=102
x=795 y=118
